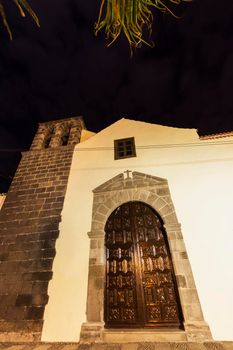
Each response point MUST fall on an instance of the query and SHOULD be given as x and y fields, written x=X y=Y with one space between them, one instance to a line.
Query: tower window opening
x=48 y=138
x=65 y=137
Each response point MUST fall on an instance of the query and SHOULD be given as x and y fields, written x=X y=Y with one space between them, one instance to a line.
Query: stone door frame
x=153 y=191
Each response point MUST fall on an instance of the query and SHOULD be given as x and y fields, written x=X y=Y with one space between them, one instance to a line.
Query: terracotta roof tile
x=216 y=136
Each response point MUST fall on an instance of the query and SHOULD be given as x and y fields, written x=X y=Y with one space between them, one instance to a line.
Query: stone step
x=211 y=345
x=139 y=336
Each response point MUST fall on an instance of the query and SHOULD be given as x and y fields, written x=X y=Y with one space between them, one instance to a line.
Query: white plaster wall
x=200 y=181
x=2 y=199
x=85 y=135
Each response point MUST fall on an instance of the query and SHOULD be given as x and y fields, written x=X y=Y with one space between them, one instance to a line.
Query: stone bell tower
x=29 y=227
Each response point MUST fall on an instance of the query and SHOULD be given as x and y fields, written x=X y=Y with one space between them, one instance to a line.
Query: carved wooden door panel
x=140 y=285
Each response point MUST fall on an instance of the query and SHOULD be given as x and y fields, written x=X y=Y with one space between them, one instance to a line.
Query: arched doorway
x=140 y=288
x=154 y=192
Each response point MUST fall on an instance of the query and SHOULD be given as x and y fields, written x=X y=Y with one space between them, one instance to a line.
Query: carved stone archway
x=153 y=191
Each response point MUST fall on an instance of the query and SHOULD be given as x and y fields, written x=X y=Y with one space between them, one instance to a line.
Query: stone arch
x=162 y=206
x=153 y=191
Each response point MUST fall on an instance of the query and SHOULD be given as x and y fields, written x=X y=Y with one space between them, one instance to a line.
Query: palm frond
x=130 y=17
x=23 y=6
x=4 y=20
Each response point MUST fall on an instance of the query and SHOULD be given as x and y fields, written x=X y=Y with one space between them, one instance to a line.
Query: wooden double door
x=140 y=289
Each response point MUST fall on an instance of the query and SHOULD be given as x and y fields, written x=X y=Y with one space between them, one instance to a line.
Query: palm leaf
x=130 y=17
x=23 y=6
x=4 y=19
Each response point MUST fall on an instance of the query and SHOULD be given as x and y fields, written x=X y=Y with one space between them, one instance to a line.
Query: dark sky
x=63 y=70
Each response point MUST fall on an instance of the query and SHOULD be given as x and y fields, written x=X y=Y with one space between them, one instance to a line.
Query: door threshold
x=129 y=335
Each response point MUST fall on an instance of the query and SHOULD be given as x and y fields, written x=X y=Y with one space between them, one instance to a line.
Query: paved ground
x=130 y=346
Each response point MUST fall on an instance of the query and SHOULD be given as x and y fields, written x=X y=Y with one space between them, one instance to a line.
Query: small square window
x=124 y=148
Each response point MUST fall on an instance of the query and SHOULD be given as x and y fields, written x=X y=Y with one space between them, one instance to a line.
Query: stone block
x=144 y=196
x=97 y=226
x=93 y=243
x=177 y=245
x=179 y=346
x=190 y=296
x=121 y=197
x=42 y=346
x=129 y=346
x=39 y=299
x=183 y=255
x=136 y=195
x=99 y=283
x=190 y=281
x=227 y=345
x=170 y=218
x=34 y=313
x=196 y=346
x=181 y=281
x=152 y=197
x=163 y=191
x=23 y=300
x=130 y=194
x=193 y=312
x=166 y=210
x=182 y=267
x=85 y=347
x=91 y=333
x=160 y=203
x=26 y=287
x=171 y=235
x=38 y=276
x=109 y=202
x=213 y=346
x=99 y=198
x=146 y=346
x=97 y=271
x=39 y=287
x=162 y=346
x=15 y=347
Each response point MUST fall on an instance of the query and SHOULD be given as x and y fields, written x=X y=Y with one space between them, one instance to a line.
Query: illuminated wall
x=199 y=175
x=2 y=198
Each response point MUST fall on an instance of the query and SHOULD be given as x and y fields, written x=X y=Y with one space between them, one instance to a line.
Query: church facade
x=118 y=236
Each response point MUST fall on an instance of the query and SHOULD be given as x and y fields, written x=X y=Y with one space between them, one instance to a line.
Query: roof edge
x=216 y=135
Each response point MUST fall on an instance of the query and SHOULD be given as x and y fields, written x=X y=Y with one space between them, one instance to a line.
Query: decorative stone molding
x=153 y=191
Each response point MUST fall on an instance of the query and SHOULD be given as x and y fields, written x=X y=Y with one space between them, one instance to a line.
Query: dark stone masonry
x=29 y=227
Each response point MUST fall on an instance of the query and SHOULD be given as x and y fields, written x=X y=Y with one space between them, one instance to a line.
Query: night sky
x=63 y=70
